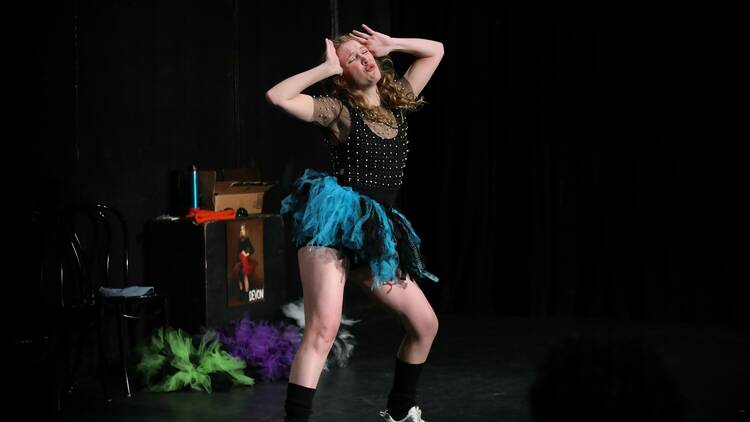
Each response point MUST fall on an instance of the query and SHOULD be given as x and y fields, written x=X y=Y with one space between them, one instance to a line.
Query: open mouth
x=370 y=67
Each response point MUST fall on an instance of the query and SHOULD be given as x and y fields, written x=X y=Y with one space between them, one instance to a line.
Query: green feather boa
x=171 y=362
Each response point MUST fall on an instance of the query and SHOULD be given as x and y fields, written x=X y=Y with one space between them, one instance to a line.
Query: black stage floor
x=479 y=369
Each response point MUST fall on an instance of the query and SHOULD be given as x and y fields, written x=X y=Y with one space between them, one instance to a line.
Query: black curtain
x=561 y=167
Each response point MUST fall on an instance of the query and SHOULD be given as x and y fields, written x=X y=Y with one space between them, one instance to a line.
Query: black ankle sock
x=403 y=395
x=298 y=404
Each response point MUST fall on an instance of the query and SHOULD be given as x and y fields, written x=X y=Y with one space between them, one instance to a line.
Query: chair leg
x=122 y=351
x=52 y=369
x=77 y=360
x=63 y=344
x=102 y=356
x=132 y=310
x=53 y=392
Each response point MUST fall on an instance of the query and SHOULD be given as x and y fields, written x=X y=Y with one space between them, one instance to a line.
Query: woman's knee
x=322 y=335
x=423 y=326
x=432 y=325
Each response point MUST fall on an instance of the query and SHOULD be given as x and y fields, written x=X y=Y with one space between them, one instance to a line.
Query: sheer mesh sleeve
x=327 y=110
x=330 y=113
x=403 y=85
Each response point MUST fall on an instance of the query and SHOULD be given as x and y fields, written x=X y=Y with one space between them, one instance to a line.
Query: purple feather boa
x=267 y=348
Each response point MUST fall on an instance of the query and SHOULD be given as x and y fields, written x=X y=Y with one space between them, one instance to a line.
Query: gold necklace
x=372 y=116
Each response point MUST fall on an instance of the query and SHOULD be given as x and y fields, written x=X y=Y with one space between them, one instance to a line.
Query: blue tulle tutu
x=325 y=213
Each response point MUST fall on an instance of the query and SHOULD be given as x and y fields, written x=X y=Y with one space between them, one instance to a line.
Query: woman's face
x=358 y=63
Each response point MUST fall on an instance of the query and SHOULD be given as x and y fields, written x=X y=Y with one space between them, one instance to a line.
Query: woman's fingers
x=331 y=50
x=356 y=37
x=367 y=28
x=360 y=34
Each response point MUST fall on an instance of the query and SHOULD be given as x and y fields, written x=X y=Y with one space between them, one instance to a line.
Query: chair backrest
x=117 y=252
x=94 y=242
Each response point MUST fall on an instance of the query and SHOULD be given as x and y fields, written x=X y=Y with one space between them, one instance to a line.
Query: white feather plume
x=343 y=345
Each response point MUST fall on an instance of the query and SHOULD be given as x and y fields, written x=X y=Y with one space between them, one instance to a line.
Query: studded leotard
x=370 y=164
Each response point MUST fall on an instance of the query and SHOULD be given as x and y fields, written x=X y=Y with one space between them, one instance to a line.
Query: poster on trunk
x=245 y=272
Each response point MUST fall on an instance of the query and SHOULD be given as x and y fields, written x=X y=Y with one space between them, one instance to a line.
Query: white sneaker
x=414 y=415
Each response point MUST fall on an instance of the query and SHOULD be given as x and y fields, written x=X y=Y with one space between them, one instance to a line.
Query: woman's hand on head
x=378 y=43
x=332 y=59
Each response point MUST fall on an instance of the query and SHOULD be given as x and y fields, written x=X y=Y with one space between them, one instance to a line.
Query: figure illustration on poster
x=244 y=269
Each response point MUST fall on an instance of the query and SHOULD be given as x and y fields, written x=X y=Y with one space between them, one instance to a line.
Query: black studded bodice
x=371 y=165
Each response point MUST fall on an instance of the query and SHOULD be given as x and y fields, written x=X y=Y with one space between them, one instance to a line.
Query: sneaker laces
x=408 y=418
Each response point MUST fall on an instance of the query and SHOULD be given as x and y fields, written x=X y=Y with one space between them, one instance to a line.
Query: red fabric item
x=245 y=260
x=201 y=216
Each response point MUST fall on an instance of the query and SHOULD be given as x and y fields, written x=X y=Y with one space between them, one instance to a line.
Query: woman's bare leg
x=413 y=309
x=408 y=302
x=323 y=276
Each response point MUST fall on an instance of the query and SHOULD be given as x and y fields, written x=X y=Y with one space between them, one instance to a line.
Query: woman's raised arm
x=287 y=94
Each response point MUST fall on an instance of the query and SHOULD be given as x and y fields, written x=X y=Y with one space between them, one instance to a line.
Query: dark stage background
x=567 y=162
